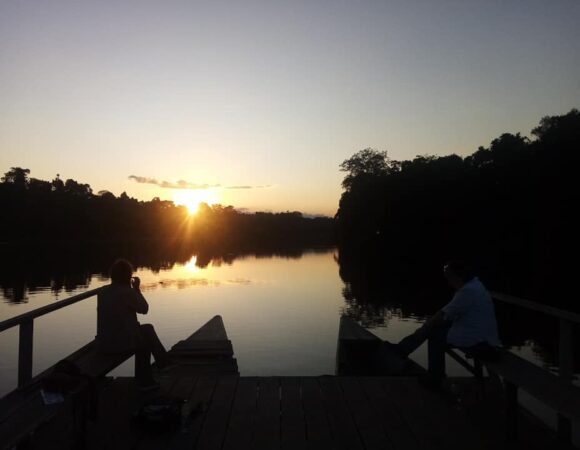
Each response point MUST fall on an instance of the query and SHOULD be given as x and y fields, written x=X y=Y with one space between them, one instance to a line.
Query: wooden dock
x=304 y=413
x=327 y=412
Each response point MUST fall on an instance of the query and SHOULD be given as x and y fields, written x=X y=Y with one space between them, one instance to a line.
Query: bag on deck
x=159 y=415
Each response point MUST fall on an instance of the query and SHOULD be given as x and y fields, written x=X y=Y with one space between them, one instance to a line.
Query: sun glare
x=191 y=199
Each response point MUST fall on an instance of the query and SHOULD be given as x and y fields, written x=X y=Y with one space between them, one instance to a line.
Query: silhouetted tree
x=17 y=176
x=509 y=207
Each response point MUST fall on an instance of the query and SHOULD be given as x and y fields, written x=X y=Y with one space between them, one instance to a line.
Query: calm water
x=281 y=313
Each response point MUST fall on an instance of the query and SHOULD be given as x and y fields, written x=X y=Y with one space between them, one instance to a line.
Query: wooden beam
x=534 y=306
x=25 y=352
x=566 y=352
x=512 y=411
x=30 y=315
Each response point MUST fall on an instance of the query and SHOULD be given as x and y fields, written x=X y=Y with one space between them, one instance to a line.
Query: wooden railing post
x=566 y=373
x=25 y=352
x=512 y=411
x=566 y=352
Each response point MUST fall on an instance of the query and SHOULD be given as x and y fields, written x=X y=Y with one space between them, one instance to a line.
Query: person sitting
x=467 y=322
x=119 y=331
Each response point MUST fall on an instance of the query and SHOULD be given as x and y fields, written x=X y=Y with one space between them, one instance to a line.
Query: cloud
x=248 y=187
x=182 y=184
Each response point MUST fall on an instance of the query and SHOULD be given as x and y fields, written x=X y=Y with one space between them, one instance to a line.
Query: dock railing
x=25 y=321
x=566 y=319
x=26 y=332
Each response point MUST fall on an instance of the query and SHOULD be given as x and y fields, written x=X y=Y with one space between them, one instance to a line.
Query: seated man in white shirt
x=467 y=322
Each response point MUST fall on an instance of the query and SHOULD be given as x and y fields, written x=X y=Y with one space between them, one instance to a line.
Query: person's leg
x=143 y=372
x=409 y=344
x=437 y=344
x=438 y=332
x=154 y=345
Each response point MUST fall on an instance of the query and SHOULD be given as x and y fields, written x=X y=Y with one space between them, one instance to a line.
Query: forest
x=508 y=209
x=39 y=212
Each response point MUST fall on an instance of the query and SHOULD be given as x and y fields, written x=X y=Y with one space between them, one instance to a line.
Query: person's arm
x=434 y=321
x=138 y=302
x=458 y=306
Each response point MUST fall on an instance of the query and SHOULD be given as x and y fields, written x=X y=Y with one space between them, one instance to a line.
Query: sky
x=256 y=103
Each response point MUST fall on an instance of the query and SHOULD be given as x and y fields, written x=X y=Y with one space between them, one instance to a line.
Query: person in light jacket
x=467 y=322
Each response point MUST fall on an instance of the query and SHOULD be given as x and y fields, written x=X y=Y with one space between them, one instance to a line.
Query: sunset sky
x=256 y=103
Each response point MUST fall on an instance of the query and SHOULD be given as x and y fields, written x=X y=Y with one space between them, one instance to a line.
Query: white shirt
x=473 y=315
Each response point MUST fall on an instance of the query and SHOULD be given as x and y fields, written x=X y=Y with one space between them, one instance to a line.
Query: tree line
x=40 y=211
x=509 y=209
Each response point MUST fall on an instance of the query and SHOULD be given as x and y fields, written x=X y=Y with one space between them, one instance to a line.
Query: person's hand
x=135 y=282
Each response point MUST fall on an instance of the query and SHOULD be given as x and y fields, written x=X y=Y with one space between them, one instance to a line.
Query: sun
x=191 y=199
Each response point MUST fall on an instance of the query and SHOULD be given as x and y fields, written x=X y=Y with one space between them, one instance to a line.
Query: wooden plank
x=199 y=344
x=171 y=387
x=207 y=367
x=566 y=352
x=360 y=353
x=442 y=408
x=403 y=392
x=267 y=435
x=367 y=424
x=292 y=423
x=199 y=401
x=318 y=434
x=202 y=348
x=212 y=330
x=114 y=428
x=25 y=344
x=539 y=383
x=344 y=432
x=350 y=330
x=215 y=425
x=241 y=429
x=24 y=418
x=17 y=320
x=382 y=406
x=535 y=306
x=427 y=411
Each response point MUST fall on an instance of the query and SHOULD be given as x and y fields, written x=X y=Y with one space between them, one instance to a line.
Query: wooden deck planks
x=342 y=427
x=293 y=425
x=320 y=413
x=432 y=421
x=240 y=433
x=267 y=434
x=317 y=426
x=114 y=428
x=367 y=423
x=178 y=388
x=395 y=427
x=216 y=421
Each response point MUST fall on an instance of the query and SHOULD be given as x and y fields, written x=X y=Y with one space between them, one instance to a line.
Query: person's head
x=121 y=272
x=457 y=273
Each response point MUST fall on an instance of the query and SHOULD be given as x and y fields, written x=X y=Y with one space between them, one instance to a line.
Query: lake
x=281 y=312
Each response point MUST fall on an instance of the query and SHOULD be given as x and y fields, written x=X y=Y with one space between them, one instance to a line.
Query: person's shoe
x=430 y=382
x=149 y=387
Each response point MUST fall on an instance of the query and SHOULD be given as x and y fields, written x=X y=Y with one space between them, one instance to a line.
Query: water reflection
x=281 y=283
x=281 y=312
x=378 y=292
x=69 y=268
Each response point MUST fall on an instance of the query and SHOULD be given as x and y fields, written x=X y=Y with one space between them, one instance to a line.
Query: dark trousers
x=149 y=344
x=436 y=335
